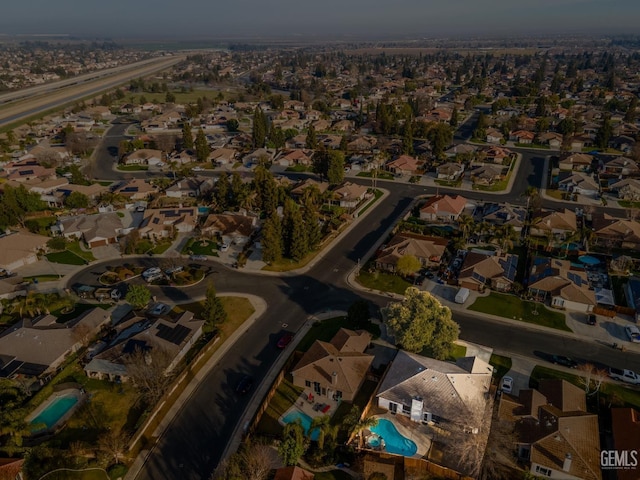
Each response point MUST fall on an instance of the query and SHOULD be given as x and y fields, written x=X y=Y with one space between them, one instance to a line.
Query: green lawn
x=66 y=257
x=385 y=282
x=381 y=175
x=325 y=330
x=501 y=365
x=285 y=396
x=298 y=169
x=78 y=309
x=628 y=204
x=376 y=195
x=449 y=183
x=457 y=351
x=160 y=248
x=133 y=168
x=75 y=248
x=510 y=306
x=200 y=247
x=42 y=278
x=495 y=187
x=613 y=392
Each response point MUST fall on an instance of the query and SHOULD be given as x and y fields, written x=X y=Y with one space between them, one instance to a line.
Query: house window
x=393 y=407
x=427 y=417
x=316 y=387
x=543 y=471
x=406 y=409
x=307 y=383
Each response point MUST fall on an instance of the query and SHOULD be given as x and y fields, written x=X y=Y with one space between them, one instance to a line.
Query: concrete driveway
x=521 y=369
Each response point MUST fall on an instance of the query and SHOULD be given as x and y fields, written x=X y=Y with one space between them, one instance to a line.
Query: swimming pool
x=305 y=421
x=394 y=442
x=588 y=260
x=55 y=410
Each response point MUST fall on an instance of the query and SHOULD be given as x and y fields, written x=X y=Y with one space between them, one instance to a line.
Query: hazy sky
x=184 y=18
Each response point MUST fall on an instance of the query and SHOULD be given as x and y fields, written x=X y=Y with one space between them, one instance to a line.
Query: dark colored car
x=284 y=340
x=564 y=361
x=591 y=319
x=244 y=385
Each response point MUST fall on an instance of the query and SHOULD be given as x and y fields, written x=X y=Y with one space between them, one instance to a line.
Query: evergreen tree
x=335 y=167
x=312 y=139
x=454 y=118
x=187 y=136
x=222 y=192
x=213 y=311
x=604 y=133
x=296 y=245
x=272 y=246
x=314 y=235
x=630 y=115
x=238 y=190
x=259 y=132
x=407 y=137
x=266 y=190
x=202 y=146
x=344 y=144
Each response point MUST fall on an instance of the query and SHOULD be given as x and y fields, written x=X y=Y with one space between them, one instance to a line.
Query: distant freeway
x=22 y=104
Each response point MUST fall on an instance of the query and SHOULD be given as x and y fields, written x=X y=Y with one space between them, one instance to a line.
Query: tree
x=311 y=141
x=591 y=378
x=440 y=135
x=221 y=194
x=293 y=444
x=147 y=369
x=296 y=244
x=407 y=137
x=259 y=131
x=57 y=243
x=232 y=125
x=408 y=265
x=454 y=118
x=187 y=136
x=631 y=113
x=604 y=133
x=266 y=190
x=16 y=203
x=311 y=223
x=76 y=200
x=170 y=98
x=202 y=146
x=138 y=296
x=272 y=245
x=465 y=224
x=420 y=322
x=213 y=311
x=358 y=313
x=114 y=443
x=362 y=424
x=335 y=167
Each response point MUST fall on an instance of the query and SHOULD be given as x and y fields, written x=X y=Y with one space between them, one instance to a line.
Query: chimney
x=334 y=378
x=566 y=466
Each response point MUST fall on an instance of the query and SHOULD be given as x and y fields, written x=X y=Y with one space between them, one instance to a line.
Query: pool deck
x=311 y=408
x=419 y=433
x=50 y=399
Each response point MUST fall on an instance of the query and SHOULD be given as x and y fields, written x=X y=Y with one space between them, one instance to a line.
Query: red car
x=285 y=340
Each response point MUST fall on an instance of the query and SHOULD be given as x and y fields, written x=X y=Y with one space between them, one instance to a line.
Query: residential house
x=559 y=224
x=499 y=155
x=486 y=174
x=296 y=157
x=223 y=156
x=627 y=189
x=625 y=426
x=624 y=143
x=20 y=248
x=449 y=171
x=556 y=435
x=93 y=191
x=39 y=346
x=259 y=155
x=190 y=187
x=299 y=188
x=31 y=173
x=335 y=369
x=173 y=336
x=331 y=142
x=460 y=149
x=504 y=214
x=580 y=183
x=621 y=167
x=613 y=232
x=361 y=144
x=428 y=250
x=522 y=136
x=443 y=208
x=183 y=157
x=95 y=230
x=165 y=222
x=232 y=229
x=580 y=162
x=136 y=189
x=349 y=195
x=144 y=156
x=552 y=139
x=403 y=165
x=11 y=468
x=293 y=473
x=480 y=269
x=566 y=286
x=493 y=136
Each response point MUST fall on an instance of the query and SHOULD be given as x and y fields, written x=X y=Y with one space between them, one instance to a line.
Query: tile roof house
x=30 y=173
x=577 y=162
x=522 y=136
x=136 y=189
x=296 y=157
x=443 y=208
x=615 y=232
x=625 y=423
x=349 y=195
x=428 y=250
x=627 y=189
x=403 y=165
x=504 y=214
x=190 y=187
x=223 y=156
x=559 y=223
x=293 y=473
x=174 y=336
x=580 y=183
x=40 y=346
x=497 y=154
x=144 y=156
x=95 y=230
x=621 y=166
x=493 y=136
x=163 y=222
x=496 y=271
x=233 y=229
x=460 y=149
x=556 y=434
x=449 y=170
x=300 y=187
x=335 y=369
x=20 y=248
x=567 y=286
x=486 y=174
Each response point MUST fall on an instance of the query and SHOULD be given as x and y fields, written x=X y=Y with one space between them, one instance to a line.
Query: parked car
x=244 y=385
x=149 y=272
x=564 y=361
x=154 y=277
x=173 y=270
x=159 y=309
x=224 y=247
x=624 y=375
x=507 y=384
x=633 y=333
x=198 y=257
x=285 y=340
x=591 y=319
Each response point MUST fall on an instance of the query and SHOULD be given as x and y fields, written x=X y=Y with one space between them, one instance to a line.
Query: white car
x=198 y=169
x=224 y=247
x=159 y=309
x=507 y=384
x=626 y=376
x=633 y=333
x=150 y=272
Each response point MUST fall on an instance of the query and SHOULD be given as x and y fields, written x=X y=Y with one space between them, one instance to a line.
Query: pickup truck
x=624 y=375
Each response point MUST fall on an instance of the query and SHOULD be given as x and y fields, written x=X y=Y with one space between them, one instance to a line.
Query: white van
x=462 y=295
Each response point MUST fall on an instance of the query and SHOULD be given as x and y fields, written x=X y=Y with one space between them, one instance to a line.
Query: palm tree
x=324 y=428
x=465 y=224
x=569 y=239
x=363 y=424
x=505 y=236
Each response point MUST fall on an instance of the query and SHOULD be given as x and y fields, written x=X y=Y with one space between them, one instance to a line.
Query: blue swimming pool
x=394 y=442
x=305 y=421
x=588 y=260
x=56 y=409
